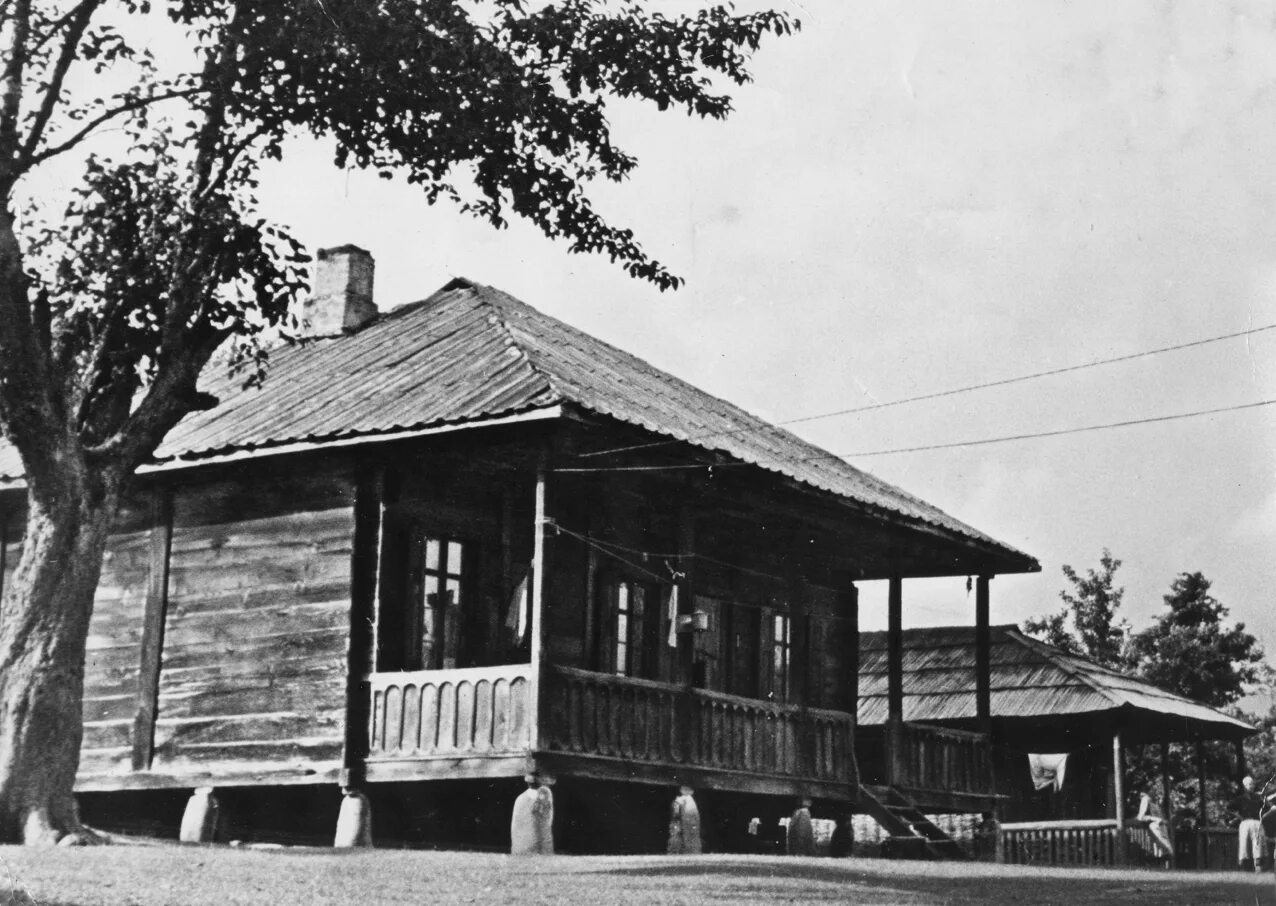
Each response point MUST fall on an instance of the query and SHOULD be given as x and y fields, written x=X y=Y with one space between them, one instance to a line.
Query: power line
x=944 y=446
x=1062 y=431
x=939 y=394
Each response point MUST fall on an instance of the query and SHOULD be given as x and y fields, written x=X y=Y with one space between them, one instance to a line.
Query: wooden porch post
x=851 y=674
x=1118 y=794
x=365 y=570
x=983 y=657
x=800 y=667
x=684 y=669
x=537 y=628
x=148 y=676
x=895 y=651
x=851 y=640
x=1203 y=821
x=1167 y=807
x=895 y=680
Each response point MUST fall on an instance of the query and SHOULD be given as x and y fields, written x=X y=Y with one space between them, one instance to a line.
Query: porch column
x=1241 y=769
x=148 y=676
x=850 y=610
x=684 y=669
x=1167 y=807
x=851 y=674
x=1118 y=794
x=373 y=486
x=895 y=651
x=537 y=591
x=983 y=657
x=1203 y=820
x=895 y=756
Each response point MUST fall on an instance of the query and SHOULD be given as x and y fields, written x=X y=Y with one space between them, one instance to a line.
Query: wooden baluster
x=394 y=717
x=465 y=695
x=428 y=738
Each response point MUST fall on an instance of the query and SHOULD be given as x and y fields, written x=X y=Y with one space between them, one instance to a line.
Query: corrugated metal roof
x=1030 y=679
x=469 y=353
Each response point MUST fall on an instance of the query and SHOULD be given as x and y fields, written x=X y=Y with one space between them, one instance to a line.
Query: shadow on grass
x=993 y=885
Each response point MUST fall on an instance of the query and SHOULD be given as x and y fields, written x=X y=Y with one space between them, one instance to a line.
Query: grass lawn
x=170 y=875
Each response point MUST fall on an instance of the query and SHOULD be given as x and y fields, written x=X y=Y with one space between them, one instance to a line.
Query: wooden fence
x=646 y=721
x=927 y=757
x=1079 y=843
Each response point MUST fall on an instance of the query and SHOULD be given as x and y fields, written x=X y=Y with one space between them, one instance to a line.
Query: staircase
x=912 y=834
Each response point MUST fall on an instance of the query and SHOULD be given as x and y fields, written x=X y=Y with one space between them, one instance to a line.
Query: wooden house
x=462 y=541
x=1043 y=701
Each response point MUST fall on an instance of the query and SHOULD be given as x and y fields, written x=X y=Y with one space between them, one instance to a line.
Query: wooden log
x=539 y=580
x=895 y=650
x=1118 y=794
x=983 y=656
x=368 y=516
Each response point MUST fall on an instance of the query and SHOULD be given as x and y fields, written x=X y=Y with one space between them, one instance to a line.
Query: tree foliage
x=1189 y=649
x=1088 y=623
x=110 y=310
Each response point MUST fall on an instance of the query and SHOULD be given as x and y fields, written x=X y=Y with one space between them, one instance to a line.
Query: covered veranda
x=1046 y=701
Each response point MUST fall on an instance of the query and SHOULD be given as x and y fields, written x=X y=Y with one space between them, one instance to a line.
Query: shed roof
x=471 y=353
x=1031 y=682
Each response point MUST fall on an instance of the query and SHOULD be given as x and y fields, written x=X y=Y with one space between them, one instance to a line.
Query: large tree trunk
x=44 y=623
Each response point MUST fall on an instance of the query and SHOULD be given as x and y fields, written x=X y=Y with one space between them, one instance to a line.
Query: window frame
x=641 y=641
x=778 y=652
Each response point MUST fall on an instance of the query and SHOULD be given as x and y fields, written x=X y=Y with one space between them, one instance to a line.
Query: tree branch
x=15 y=52
x=127 y=107
x=78 y=19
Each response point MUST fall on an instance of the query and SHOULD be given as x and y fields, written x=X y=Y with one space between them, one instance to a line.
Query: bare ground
x=170 y=875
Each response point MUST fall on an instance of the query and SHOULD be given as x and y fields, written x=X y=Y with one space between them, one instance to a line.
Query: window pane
x=432 y=554
x=640 y=598
x=454 y=558
x=431 y=591
x=452 y=592
x=622 y=597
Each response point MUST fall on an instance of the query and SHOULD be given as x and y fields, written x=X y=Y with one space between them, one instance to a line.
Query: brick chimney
x=340 y=293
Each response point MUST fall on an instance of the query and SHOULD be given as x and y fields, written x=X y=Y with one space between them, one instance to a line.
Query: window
x=633 y=629
x=780 y=650
x=630 y=650
x=441 y=599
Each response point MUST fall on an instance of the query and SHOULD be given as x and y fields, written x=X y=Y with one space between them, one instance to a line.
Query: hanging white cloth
x=672 y=610
x=517 y=613
x=1047 y=769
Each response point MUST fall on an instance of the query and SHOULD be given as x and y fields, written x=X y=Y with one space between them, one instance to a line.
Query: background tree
x=1087 y=624
x=1190 y=650
x=109 y=313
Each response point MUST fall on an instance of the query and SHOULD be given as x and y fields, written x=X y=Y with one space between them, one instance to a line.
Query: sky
x=919 y=196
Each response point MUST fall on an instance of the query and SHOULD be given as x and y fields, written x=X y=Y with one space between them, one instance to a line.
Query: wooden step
x=911 y=834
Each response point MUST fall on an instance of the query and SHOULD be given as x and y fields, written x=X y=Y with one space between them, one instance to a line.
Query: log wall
x=257 y=624
x=113 y=657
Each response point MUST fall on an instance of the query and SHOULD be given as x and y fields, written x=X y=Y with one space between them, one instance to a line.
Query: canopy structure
x=1039 y=692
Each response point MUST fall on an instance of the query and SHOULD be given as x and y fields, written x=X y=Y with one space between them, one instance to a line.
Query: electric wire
x=601 y=546
x=939 y=394
x=1081 y=429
